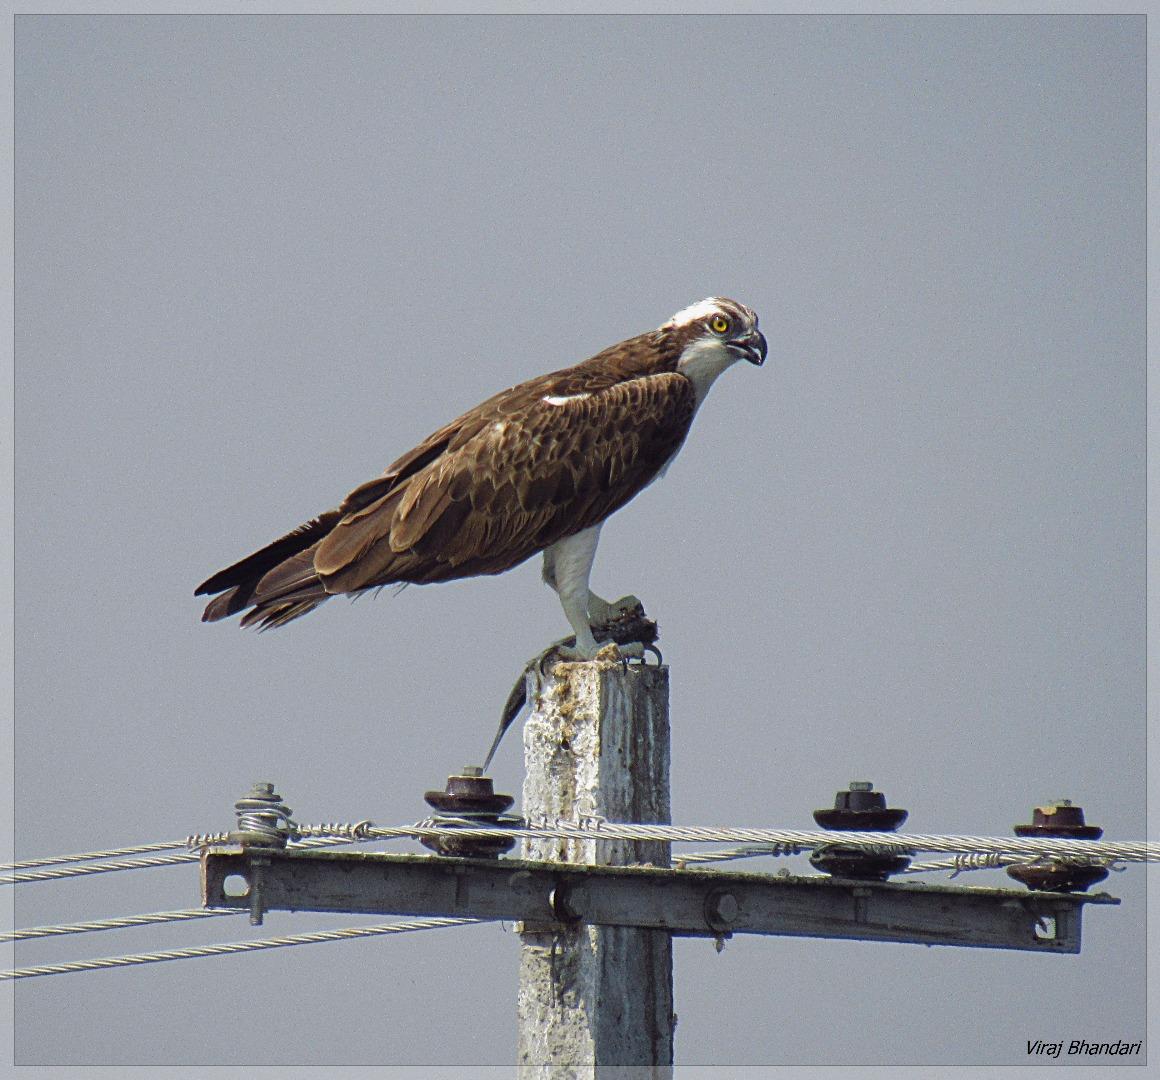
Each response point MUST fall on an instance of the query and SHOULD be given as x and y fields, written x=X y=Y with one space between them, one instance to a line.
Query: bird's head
x=726 y=324
x=711 y=335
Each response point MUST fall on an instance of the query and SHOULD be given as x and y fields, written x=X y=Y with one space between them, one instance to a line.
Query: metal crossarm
x=685 y=902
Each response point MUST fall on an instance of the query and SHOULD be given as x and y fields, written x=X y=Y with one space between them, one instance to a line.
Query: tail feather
x=279 y=612
x=228 y=603
x=278 y=582
x=253 y=567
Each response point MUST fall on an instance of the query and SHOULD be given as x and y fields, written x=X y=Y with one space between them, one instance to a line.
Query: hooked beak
x=751 y=347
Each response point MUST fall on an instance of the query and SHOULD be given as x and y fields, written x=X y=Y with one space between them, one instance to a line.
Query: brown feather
x=254 y=566
x=354 y=536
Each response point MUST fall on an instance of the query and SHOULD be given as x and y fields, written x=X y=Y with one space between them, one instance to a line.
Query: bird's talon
x=562 y=651
x=631 y=650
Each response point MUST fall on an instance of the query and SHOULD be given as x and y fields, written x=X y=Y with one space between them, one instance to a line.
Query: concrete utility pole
x=597 y=743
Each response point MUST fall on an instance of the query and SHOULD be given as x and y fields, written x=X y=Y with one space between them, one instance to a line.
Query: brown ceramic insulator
x=1059 y=819
x=1058 y=876
x=469 y=798
x=466 y=793
x=861 y=809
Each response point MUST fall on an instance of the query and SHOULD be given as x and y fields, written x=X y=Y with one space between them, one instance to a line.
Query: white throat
x=701 y=363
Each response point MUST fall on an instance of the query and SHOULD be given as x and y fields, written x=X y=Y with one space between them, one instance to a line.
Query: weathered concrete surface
x=597 y=743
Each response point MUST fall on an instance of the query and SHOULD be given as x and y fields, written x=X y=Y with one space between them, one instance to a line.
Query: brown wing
x=279 y=581
x=509 y=478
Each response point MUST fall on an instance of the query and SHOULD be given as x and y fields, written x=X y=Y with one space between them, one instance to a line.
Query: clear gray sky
x=259 y=257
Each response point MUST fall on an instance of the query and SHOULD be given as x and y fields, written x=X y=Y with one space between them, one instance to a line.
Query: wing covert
x=531 y=472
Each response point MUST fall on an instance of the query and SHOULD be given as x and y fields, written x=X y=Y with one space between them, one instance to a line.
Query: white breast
x=702 y=362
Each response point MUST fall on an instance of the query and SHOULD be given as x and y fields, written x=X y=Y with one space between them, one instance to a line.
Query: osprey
x=536 y=468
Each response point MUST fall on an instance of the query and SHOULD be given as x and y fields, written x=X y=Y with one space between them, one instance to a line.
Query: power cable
x=232 y=947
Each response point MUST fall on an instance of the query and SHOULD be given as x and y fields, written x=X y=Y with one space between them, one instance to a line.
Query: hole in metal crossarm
x=235 y=885
x=1045 y=929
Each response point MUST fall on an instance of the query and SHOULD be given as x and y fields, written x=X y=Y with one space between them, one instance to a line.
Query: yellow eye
x=718 y=324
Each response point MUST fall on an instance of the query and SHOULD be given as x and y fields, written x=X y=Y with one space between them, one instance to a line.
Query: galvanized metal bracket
x=706 y=903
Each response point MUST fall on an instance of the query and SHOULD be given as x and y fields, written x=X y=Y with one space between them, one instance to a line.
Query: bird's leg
x=567 y=564
x=595 y=621
x=601 y=613
x=575 y=605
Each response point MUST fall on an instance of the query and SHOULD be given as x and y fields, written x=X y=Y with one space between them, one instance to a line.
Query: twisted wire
x=197 y=841
x=330 y=832
x=978 y=860
x=259 y=814
x=967 y=860
x=98 y=868
x=747 y=852
x=113 y=924
x=232 y=947
x=760 y=841
x=957 y=864
x=141 y=864
x=360 y=830
x=598 y=829
x=88 y=856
